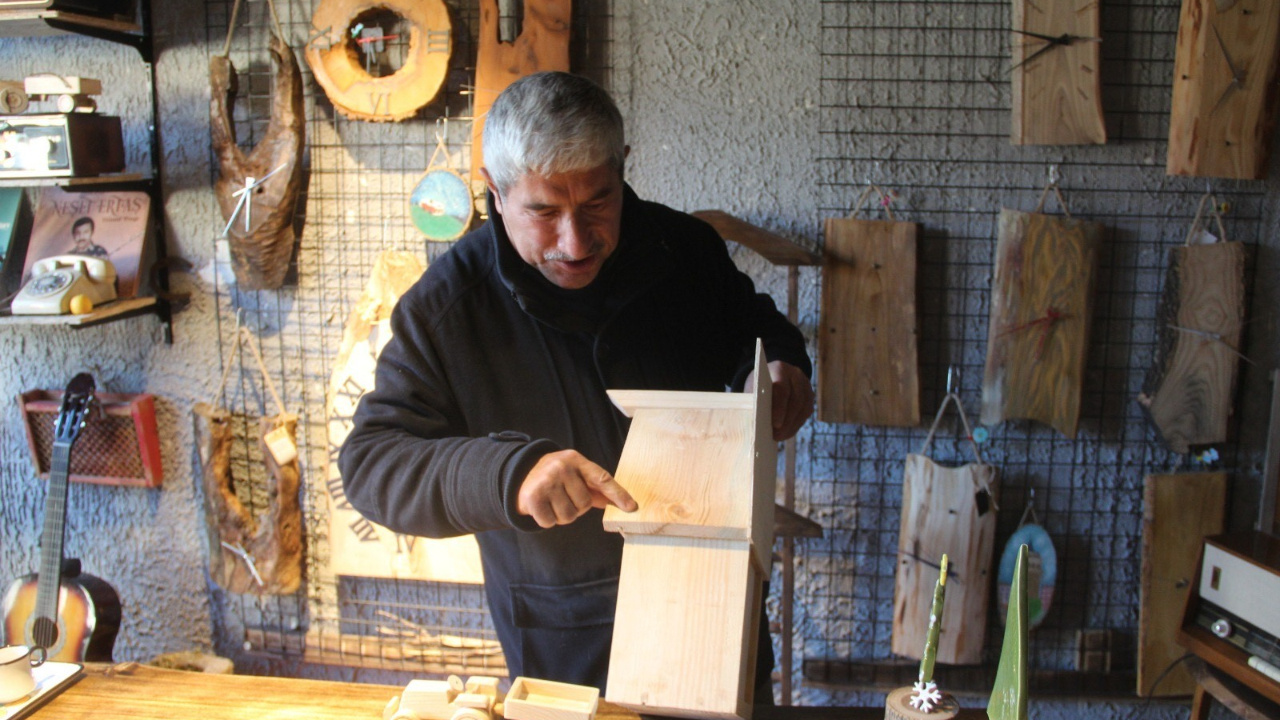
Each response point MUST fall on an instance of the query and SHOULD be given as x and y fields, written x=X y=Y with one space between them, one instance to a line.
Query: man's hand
x=792 y=398
x=563 y=485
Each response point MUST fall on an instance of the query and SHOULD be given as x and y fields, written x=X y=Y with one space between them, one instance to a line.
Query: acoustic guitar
x=62 y=614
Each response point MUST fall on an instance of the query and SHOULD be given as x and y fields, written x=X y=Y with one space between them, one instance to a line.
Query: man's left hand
x=792 y=398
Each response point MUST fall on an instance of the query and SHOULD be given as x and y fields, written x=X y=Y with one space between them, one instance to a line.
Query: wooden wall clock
x=1041 y=304
x=1224 y=88
x=358 y=547
x=543 y=44
x=336 y=60
x=1056 y=84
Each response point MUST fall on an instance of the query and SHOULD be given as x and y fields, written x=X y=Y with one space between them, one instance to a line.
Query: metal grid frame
x=354 y=206
x=915 y=98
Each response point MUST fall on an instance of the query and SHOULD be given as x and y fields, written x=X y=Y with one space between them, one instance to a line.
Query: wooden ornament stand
x=702 y=467
x=897 y=706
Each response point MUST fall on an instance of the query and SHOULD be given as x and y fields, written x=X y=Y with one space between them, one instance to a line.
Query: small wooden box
x=531 y=699
x=118 y=445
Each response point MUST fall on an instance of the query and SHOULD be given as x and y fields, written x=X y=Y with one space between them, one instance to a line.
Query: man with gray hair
x=489 y=414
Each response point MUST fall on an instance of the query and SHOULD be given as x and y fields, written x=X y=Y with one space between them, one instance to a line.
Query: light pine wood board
x=940 y=515
x=1057 y=97
x=1035 y=365
x=684 y=632
x=1211 y=135
x=1191 y=386
x=700 y=464
x=543 y=44
x=771 y=246
x=867 y=360
x=1178 y=512
x=690 y=472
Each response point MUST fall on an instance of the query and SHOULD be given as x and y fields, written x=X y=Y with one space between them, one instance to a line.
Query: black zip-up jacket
x=492 y=366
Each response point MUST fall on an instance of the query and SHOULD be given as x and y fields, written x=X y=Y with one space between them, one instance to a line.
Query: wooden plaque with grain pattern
x=1189 y=390
x=940 y=514
x=543 y=44
x=1041 y=300
x=867 y=360
x=1178 y=512
x=1057 y=95
x=1219 y=127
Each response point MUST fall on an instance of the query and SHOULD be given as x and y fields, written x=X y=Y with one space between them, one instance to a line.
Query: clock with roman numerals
x=343 y=52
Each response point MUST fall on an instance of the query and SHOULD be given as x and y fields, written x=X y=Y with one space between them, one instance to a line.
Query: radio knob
x=1221 y=628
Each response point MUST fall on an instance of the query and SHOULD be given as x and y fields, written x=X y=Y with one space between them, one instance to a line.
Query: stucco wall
x=722 y=103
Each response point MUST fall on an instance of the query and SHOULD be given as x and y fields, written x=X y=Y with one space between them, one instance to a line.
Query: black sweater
x=491 y=367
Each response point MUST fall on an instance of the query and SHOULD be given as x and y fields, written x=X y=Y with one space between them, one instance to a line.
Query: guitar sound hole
x=45 y=632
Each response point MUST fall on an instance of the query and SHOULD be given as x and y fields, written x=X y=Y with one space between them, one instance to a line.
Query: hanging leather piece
x=260 y=254
x=240 y=545
x=259 y=555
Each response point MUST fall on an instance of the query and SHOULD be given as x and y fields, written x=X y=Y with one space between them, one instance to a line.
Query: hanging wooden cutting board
x=1178 y=512
x=543 y=44
x=1189 y=390
x=941 y=514
x=1041 y=303
x=867 y=360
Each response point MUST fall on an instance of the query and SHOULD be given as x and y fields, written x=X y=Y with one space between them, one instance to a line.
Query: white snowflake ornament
x=925 y=696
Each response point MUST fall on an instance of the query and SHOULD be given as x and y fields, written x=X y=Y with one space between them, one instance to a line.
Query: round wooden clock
x=1224 y=101
x=337 y=56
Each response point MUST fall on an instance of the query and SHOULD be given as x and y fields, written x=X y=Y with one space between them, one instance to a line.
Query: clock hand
x=249 y=184
x=1237 y=77
x=1051 y=41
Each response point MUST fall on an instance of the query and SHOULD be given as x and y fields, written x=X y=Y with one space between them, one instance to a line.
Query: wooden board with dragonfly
x=61 y=613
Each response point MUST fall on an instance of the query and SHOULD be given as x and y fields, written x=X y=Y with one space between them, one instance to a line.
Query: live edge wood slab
x=129 y=691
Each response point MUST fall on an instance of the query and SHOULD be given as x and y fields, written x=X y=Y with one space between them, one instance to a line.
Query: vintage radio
x=60 y=145
x=1232 y=620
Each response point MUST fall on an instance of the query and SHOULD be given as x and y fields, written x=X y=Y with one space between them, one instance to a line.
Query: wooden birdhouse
x=702 y=467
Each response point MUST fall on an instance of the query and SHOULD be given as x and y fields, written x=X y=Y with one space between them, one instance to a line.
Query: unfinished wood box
x=702 y=467
x=533 y=699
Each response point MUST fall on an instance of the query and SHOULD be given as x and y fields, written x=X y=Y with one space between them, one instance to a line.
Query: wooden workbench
x=129 y=691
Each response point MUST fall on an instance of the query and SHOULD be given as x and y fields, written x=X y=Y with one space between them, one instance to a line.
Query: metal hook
x=1053 y=173
x=953 y=379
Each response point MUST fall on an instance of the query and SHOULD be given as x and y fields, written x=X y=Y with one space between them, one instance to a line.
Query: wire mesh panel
x=359 y=177
x=916 y=99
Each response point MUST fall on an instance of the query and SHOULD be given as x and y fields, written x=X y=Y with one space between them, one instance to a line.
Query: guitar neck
x=55 y=515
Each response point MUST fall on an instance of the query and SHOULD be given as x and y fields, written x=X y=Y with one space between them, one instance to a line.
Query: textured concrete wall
x=723 y=111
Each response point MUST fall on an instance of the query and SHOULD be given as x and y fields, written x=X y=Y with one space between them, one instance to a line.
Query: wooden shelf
x=775 y=248
x=36 y=23
x=89 y=183
x=114 y=310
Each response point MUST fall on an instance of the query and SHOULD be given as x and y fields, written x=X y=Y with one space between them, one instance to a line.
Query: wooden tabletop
x=129 y=691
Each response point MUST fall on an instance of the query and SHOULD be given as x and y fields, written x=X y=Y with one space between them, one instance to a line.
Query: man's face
x=564 y=225
x=83 y=235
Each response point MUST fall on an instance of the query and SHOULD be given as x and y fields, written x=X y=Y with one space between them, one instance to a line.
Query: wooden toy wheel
x=336 y=60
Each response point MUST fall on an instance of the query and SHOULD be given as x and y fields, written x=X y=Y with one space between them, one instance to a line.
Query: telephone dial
x=66 y=283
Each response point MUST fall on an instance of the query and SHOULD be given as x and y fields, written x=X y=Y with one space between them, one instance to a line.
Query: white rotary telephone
x=66 y=283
